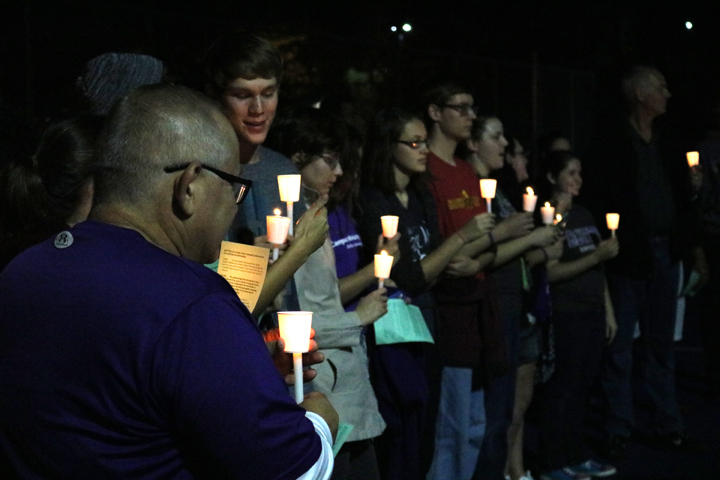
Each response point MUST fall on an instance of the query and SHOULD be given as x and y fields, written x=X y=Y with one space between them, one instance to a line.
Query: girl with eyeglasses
x=394 y=182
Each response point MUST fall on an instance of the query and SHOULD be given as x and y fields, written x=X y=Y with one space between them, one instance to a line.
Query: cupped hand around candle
x=545 y=236
x=478 y=226
x=555 y=251
x=390 y=245
x=373 y=306
x=514 y=226
x=284 y=361
x=312 y=228
x=607 y=249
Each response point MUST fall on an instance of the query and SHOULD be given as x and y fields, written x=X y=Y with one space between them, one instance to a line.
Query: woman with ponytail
x=49 y=191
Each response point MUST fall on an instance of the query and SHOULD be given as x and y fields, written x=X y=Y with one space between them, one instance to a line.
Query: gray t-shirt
x=264 y=196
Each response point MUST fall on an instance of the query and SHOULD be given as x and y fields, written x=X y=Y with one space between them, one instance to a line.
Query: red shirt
x=456 y=191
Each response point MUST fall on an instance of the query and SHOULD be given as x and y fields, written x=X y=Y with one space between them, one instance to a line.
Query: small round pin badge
x=64 y=239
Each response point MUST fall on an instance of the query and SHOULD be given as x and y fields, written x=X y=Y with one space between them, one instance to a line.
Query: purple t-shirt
x=121 y=360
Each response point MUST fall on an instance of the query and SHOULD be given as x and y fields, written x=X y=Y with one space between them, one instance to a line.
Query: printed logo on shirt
x=354 y=241
x=419 y=239
x=464 y=201
x=64 y=239
x=583 y=238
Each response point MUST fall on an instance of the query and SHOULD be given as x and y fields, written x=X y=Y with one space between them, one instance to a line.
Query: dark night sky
x=46 y=42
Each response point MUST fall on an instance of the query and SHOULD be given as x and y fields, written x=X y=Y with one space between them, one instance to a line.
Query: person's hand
x=312 y=228
x=545 y=236
x=555 y=251
x=284 y=362
x=390 y=245
x=318 y=403
x=478 y=226
x=607 y=249
x=261 y=241
x=514 y=226
x=372 y=306
x=610 y=327
x=461 y=266
x=696 y=178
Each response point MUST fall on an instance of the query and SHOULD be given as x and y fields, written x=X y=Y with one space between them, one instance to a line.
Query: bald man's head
x=155 y=127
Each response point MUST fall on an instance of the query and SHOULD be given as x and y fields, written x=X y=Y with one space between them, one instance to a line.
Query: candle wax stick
x=489 y=205
x=381 y=283
x=612 y=233
x=276 y=253
x=298 y=370
x=290 y=215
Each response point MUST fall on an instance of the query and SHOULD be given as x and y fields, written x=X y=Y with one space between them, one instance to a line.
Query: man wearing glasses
x=121 y=355
x=465 y=354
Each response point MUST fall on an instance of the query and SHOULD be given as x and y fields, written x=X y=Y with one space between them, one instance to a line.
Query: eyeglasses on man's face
x=241 y=186
x=463 y=110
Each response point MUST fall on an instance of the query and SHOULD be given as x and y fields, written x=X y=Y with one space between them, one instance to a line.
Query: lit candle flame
x=276 y=212
x=384 y=253
x=547 y=204
x=531 y=192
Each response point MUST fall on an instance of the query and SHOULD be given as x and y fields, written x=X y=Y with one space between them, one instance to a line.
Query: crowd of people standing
x=123 y=357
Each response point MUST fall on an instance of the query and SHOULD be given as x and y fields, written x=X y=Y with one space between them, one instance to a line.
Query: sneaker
x=592 y=468
x=527 y=476
x=564 y=474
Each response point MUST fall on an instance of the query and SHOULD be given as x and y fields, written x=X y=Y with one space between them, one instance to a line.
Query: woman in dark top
x=583 y=321
x=393 y=183
x=50 y=191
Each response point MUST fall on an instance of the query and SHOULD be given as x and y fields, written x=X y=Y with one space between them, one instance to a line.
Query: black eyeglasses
x=461 y=109
x=241 y=186
x=417 y=145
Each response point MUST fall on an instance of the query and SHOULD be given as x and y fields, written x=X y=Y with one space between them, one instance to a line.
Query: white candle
x=289 y=186
x=277 y=231
x=487 y=190
x=693 y=158
x=389 y=225
x=548 y=214
x=383 y=265
x=613 y=219
x=295 y=332
x=529 y=200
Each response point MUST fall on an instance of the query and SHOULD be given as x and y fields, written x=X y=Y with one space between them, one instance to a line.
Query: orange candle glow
x=693 y=158
x=529 y=200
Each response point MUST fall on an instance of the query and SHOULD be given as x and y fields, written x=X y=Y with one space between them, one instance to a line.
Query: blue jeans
x=652 y=303
x=460 y=426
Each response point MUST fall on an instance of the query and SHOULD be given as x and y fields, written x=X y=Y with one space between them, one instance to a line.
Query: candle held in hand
x=487 y=190
x=548 y=214
x=277 y=230
x=383 y=265
x=613 y=219
x=289 y=186
x=529 y=200
x=389 y=225
x=295 y=332
x=693 y=158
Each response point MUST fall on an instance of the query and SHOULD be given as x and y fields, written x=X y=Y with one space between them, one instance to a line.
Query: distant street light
x=407 y=27
x=688 y=25
x=393 y=28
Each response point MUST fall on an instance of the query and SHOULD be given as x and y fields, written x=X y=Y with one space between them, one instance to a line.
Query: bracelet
x=545 y=254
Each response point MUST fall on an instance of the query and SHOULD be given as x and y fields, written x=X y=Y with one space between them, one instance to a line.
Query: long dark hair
x=378 y=156
x=44 y=190
x=553 y=163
